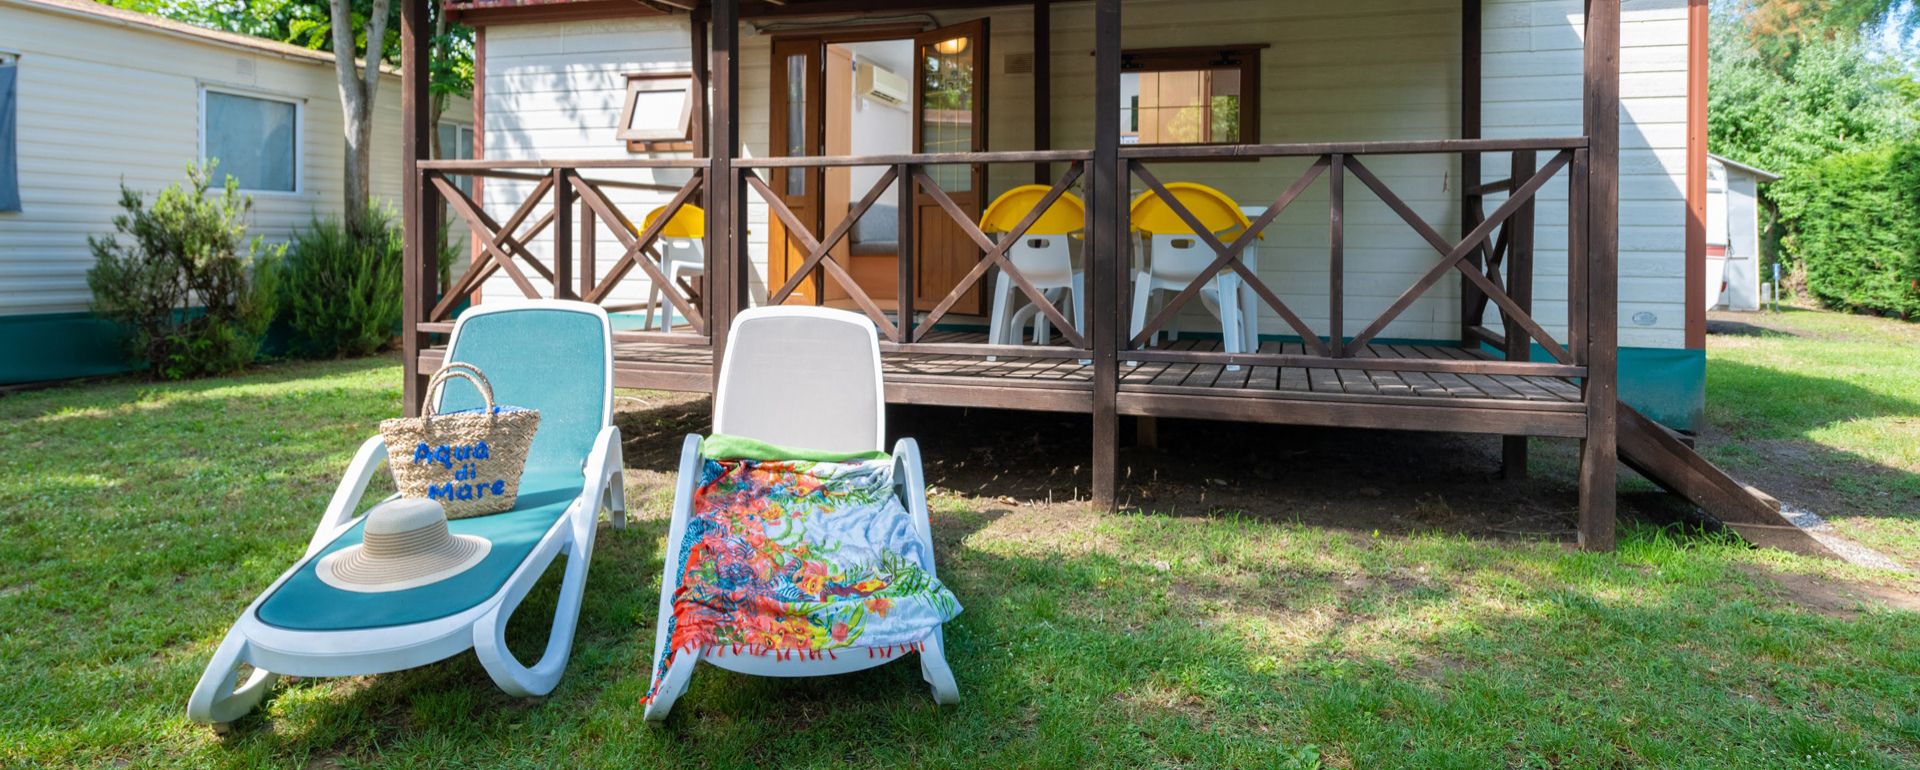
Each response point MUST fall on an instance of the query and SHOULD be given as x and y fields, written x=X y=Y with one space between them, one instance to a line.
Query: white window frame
x=299 y=135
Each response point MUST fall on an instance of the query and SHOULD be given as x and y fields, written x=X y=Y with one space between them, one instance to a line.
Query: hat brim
x=348 y=569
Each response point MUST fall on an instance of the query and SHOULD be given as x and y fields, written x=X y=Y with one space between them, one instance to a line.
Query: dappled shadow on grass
x=1764 y=424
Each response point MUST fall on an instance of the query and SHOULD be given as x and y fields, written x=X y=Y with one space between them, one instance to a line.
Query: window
x=658 y=113
x=9 y=158
x=1208 y=95
x=456 y=143
x=255 y=139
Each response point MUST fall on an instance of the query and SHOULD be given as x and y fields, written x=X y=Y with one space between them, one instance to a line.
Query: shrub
x=1855 y=221
x=196 y=293
x=342 y=288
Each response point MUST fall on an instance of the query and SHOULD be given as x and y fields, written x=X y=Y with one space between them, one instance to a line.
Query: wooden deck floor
x=1478 y=403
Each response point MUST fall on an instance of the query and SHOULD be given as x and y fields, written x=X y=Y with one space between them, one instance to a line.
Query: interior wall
x=879 y=128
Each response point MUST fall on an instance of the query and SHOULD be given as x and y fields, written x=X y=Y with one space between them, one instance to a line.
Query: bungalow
x=93 y=97
x=1479 y=216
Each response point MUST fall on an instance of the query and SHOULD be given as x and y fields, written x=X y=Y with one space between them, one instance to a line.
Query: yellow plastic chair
x=1044 y=256
x=682 y=253
x=1176 y=257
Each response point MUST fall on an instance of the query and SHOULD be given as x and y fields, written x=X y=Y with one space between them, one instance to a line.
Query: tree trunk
x=358 y=89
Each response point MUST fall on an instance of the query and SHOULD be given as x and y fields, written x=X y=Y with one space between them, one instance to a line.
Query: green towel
x=720 y=446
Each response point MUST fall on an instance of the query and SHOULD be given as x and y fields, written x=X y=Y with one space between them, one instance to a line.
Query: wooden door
x=798 y=87
x=949 y=115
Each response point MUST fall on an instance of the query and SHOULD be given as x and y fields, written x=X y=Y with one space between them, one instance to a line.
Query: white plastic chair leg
x=672 y=686
x=490 y=631
x=1000 y=325
x=617 y=499
x=215 y=701
x=1230 y=328
x=1142 y=296
x=933 y=668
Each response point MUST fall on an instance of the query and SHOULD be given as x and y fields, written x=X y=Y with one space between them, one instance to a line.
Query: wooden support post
x=563 y=212
x=1107 y=242
x=1336 y=255
x=1513 y=454
x=1598 y=465
x=726 y=218
x=699 y=25
x=420 y=229
x=1470 y=128
x=1042 y=87
x=588 y=240
x=903 y=204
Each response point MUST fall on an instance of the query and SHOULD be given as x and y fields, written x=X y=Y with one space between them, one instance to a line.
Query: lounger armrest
x=346 y=498
x=676 y=533
x=910 y=480
x=605 y=459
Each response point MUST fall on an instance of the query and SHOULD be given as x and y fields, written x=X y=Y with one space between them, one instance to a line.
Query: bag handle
x=460 y=369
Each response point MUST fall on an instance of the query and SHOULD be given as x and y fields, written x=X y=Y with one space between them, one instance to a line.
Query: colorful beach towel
x=800 y=554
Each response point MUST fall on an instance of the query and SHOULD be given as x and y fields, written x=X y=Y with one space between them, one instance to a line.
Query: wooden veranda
x=1331 y=376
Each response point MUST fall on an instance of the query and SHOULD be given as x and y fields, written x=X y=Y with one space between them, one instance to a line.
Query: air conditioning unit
x=881 y=85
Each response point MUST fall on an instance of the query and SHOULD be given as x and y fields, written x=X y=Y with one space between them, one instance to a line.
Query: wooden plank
x=420 y=224
x=1294 y=378
x=1107 y=243
x=474 y=165
x=1464 y=363
x=726 y=221
x=906 y=288
x=1420 y=417
x=1336 y=256
x=1374 y=399
x=1649 y=449
x=915 y=159
x=1386 y=382
x=1424 y=147
x=1598 y=464
x=562 y=237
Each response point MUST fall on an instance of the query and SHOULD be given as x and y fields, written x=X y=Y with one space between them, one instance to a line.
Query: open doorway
x=866 y=95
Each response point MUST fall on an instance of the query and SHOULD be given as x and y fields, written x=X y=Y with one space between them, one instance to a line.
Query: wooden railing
x=577 y=206
x=903 y=332
x=1494 y=258
x=1509 y=227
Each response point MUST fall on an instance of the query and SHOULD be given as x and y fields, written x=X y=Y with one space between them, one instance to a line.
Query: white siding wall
x=1376 y=70
x=1533 y=72
x=101 y=103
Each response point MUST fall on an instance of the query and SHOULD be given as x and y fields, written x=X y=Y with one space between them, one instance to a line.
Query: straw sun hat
x=405 y=545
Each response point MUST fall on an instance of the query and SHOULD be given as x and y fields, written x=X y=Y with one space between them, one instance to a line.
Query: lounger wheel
x=215 y=701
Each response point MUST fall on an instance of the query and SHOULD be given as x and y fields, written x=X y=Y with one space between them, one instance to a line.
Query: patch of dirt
x=1741 y=325
x=1028 y=474
x=1833 y=599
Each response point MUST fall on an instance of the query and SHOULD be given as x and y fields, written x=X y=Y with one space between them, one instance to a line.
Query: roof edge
x=1763 y=174
x=109 y=14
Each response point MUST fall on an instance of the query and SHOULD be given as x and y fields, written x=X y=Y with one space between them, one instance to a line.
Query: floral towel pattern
x=801 y=558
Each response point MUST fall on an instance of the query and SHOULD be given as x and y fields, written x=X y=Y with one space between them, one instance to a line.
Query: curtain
x=253 y=140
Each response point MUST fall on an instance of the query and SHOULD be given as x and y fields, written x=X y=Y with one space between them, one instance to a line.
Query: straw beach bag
x=468 y=461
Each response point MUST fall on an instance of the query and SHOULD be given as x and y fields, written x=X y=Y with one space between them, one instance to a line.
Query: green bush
x=342 y=289
x=196 y=293
x=1855 y=220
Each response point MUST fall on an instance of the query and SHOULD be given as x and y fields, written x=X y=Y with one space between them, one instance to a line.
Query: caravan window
x=658 y=113
x=9 y=160
x=256 y=140
x=1207 y=95
x=456 y=143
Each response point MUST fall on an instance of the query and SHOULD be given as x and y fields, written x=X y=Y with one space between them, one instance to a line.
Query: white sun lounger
x=554 y=356
x=810 y=378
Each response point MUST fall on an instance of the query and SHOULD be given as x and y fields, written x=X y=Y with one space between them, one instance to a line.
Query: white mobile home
x=101 y=97
x=557 y=76
x=1733 y=234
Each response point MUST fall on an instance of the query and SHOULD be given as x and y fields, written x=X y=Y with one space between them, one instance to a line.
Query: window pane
x=796 y=120
x=253 y=139
x=946 y=108
x=657 y=111
x=1180 y=106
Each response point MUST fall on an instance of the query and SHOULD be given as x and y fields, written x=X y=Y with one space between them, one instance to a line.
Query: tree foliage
x=1777 y=30
x=1856 y=229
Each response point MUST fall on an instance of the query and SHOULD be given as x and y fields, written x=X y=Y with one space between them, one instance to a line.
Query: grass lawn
x=136 y=521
